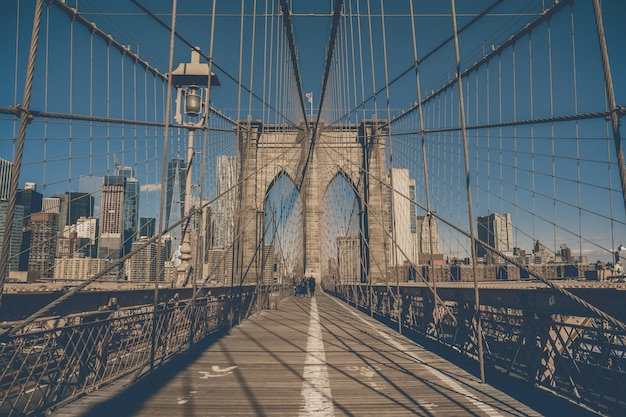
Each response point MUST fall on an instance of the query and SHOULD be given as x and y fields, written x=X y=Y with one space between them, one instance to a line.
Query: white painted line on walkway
x=455 y=386
x=317 y=400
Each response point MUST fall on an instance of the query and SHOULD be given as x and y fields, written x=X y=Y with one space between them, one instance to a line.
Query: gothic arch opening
x=283 y=237
x=342 y=239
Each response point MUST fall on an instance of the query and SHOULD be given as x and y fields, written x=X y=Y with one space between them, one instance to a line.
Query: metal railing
x=56 y=359
x=527 y=333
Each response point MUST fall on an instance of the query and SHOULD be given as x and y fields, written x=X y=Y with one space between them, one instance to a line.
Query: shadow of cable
x=540 y=400
x=127 y=401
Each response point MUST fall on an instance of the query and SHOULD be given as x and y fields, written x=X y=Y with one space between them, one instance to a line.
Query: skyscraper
x=225 y=206
x=87 y=228
x=495 y=230
x=31 y=200
x=15 y=240
x=131 y=206
x=349 y=259
x=403 y=218
x=43 y=243
x=51 y=205
x=176 y=170
x=73 y=205
x=147 y=227
x=425 y=236
x=131 y=213
x=143 y=265
x=5 y=178
x=111 y=218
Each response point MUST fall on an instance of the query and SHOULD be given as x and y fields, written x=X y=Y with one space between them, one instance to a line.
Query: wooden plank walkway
x=315 y=357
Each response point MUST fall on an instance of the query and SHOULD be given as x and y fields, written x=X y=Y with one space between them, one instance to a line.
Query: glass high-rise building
x=147 y=227
x=31 y=200
x=176 y=177
x=495 y=230
x=131 y=213
x=72 y=206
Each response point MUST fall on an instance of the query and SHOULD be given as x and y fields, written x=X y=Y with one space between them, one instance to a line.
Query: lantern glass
x=193 y=104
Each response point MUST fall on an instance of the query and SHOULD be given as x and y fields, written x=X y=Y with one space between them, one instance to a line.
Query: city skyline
x=545 y=175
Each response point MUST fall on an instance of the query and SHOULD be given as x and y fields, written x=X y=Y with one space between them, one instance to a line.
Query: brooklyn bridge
x=285 y=207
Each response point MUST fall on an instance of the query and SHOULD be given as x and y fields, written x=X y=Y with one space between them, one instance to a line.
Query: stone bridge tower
x=267 y=152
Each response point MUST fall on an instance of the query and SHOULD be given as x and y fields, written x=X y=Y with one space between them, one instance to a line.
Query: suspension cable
x=25 y=119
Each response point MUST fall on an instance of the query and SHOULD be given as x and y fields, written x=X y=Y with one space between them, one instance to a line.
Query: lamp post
x=192 y=88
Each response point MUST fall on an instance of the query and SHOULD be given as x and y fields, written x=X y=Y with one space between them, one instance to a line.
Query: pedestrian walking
x=312 y=286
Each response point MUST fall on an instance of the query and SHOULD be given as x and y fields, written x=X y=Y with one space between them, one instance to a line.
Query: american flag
x=309 y=97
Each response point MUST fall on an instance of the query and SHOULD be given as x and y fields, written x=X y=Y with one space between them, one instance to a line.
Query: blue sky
x=515 y=170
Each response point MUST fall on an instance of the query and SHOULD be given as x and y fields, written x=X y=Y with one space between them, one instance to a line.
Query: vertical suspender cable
x=578 y=179
x=252 y=58
x=551 y=96
x=21 y=137
x=362 y=76
x=201 y=248
x=237 y=266
x=432 y=276
x=459 y=80
x=45 y=97
x=515 y=164
x=168 y=110
x=90 y=103
x=241 y=22
x=353 y=60
x=381 y=186
x=265 y=55
x=532 y=126
x=610 y=93
x=394 y=262
x=68 y=204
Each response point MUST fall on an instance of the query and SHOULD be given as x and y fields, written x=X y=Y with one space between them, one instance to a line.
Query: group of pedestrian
x=305 y=286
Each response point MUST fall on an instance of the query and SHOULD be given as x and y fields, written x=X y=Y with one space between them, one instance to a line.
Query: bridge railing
x=529 y=333
x=56 y=359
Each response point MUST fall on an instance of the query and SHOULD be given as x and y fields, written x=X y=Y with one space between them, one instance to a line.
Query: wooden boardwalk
x=316 y=357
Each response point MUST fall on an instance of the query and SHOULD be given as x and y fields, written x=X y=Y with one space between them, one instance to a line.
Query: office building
x=5 y=178
x=268 y=264
x=43 y=243
x=111 y=218
x=15 y=239
x=73 y=205
x=403 y=219
x=495 y=230
x=349 y=259
x=147 y=227
x=51 y=205
x=31 y=200
x=142 y=267
x=78 y=269
x=131 y=213
x=427 y=235
x=227 y=173
x=176 y=175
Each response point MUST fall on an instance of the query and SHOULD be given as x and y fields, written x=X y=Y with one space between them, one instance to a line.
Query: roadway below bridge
x=317 y=356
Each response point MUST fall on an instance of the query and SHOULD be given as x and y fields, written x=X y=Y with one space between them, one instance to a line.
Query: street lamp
x=191 y=80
